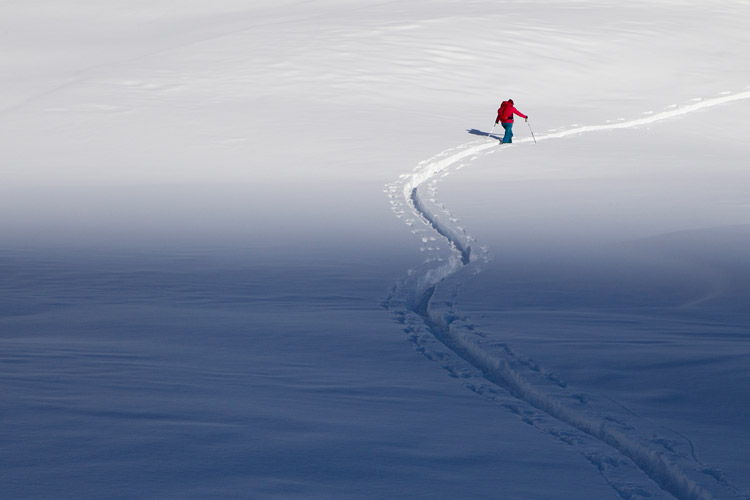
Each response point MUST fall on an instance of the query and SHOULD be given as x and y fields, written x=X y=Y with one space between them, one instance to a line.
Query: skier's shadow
x=485 y=134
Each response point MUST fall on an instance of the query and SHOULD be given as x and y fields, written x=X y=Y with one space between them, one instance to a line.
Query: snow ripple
x=620 y=444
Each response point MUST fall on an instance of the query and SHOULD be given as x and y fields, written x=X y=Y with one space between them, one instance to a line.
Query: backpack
x=506 y=111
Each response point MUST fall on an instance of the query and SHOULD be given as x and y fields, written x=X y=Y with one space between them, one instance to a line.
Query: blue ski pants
x=508 y=137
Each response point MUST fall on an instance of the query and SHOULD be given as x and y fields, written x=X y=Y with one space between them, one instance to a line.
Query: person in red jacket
x=505 y=117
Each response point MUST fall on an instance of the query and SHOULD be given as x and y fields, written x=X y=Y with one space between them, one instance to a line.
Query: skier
x=505 y=117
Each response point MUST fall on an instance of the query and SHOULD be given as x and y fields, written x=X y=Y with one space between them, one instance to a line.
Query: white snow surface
x=271 y=249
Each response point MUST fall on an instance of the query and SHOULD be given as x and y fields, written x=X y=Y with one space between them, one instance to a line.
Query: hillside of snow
x=271 y=250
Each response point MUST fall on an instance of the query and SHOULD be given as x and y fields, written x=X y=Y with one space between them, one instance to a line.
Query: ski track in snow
x=620 y=444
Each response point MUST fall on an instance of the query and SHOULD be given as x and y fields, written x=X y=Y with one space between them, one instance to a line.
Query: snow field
x=268 y=128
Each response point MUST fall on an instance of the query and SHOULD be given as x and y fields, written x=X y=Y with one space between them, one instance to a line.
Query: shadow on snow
x=485 y=134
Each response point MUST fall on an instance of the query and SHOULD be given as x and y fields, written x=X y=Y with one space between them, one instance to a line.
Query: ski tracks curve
x=636 y=457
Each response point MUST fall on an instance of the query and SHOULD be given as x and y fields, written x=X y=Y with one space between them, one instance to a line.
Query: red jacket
x=506 y=111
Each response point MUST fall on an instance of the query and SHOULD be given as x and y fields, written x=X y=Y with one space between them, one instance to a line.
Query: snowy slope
x=197 y=248
x=426 y=302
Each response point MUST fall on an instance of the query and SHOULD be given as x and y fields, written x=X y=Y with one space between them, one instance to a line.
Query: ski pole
x=532 y=132
x=493 y=129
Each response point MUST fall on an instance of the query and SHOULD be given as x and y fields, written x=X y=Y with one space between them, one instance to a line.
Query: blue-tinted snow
x=258 y=376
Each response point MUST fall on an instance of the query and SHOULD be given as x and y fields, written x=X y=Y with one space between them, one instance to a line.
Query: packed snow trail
x=600 y=429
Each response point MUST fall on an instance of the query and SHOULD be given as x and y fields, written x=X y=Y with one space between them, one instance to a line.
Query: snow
x=268 y=250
